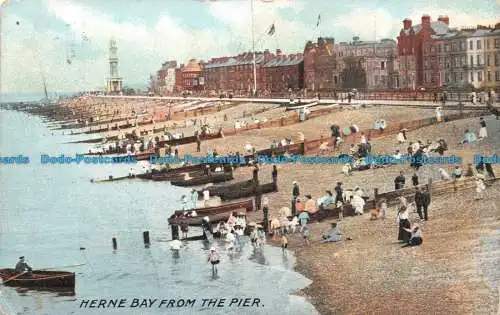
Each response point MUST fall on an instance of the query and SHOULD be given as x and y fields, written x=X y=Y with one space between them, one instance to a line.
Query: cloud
x=366 y=23
x=143 y=47
x=457 y=18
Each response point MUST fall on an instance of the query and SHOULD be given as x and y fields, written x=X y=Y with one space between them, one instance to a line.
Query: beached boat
x=176 y=176
x=295 y=105
x=204 y=179
x=248 y=191
x=247 y=204
x=213 y=218
x=190 y=139
x=38 y=279
x=223 y=189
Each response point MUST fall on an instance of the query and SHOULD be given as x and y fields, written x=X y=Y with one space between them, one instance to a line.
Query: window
x=461 y=76
x=497 y=43
x=439 y=47
x=454 y=77
x=446 y=47
x=488 y=60
x=497 y=76
x=471 y=45
x=462 y=45
x=382 y=65
x=471 y=61
x=480 y=76
x=478 y=60
x=447 y=77
x=489 y=76
x=446 y=62
x=478 y=44
x=487 y=43
x=472 y=77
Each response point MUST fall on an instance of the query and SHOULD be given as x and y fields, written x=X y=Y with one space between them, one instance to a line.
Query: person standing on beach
x=255 y=173
x=483 y=131
x=399 y=181
x=275 y=174
x=426 y=201
x=198 y=143
x=414 y=179
x=419 y=202
x=295 y=195
x=404 y=223
x=338 y=193
x=194 y=198
x=489 y=170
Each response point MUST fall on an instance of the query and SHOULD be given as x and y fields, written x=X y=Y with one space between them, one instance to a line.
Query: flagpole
x=253 y=49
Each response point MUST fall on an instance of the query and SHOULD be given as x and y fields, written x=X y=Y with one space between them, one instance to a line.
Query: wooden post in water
x=115 y=245
x=145 y=236
x=175 y=231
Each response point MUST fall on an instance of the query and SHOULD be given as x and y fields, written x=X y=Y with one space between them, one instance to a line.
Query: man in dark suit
x=419 y=202
x=426 y=200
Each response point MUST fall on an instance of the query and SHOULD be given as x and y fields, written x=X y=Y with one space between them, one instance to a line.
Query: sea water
x=55 y=217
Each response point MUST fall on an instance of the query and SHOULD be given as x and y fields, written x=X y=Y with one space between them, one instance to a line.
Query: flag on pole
x=271 y=31
x=319 y=19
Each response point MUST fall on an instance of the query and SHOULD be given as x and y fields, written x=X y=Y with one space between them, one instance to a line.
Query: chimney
x=426 y=21
x=445 y=19
x=406 y=24
x=278 y=52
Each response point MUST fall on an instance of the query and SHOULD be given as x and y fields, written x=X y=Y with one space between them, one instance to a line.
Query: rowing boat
x=248 y=191
x=247 y=204
x=38 y=279
x=211 y=178
x=213 y=218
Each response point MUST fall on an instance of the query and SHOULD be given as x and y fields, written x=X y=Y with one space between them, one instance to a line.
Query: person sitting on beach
x=303 y=217
x=334 y=235
x=310 y=205
x=284 y=225
x=22 y=266
x=444 y=174
x=326 y=201
x=416 y=236
x=299 y=205
x=469 y=137
x=457 y=173
x=275 y=226
x=294 y=224
x=346 y=169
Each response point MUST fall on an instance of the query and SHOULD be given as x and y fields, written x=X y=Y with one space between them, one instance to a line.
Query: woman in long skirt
x=483 y=132
x=404 y=223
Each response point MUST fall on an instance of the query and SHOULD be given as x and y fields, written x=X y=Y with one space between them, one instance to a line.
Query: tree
x=128 y=91
x=353 y=75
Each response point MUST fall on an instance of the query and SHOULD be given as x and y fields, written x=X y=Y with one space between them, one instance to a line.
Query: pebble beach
x=371 y=274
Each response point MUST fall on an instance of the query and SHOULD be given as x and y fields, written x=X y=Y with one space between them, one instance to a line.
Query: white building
x=170 y=79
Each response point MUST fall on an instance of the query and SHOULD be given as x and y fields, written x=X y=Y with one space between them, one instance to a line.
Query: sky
x=66 y=42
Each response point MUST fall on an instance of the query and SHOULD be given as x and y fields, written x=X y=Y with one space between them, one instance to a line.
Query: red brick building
x=234 y=74
x=283 y=72
x=320 y=64
x=179 y=87
x=191 y=76
x=410 y=48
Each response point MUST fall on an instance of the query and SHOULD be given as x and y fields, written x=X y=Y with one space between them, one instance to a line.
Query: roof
x=244 y=59
x=438 y=27
x=466 y=33
x=192 y=66
x=283 y=61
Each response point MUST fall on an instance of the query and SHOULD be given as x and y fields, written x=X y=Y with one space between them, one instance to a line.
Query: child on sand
x=307 y=235
x=284 y=242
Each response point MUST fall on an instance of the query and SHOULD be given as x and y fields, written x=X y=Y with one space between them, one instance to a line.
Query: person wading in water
x=214 y=259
